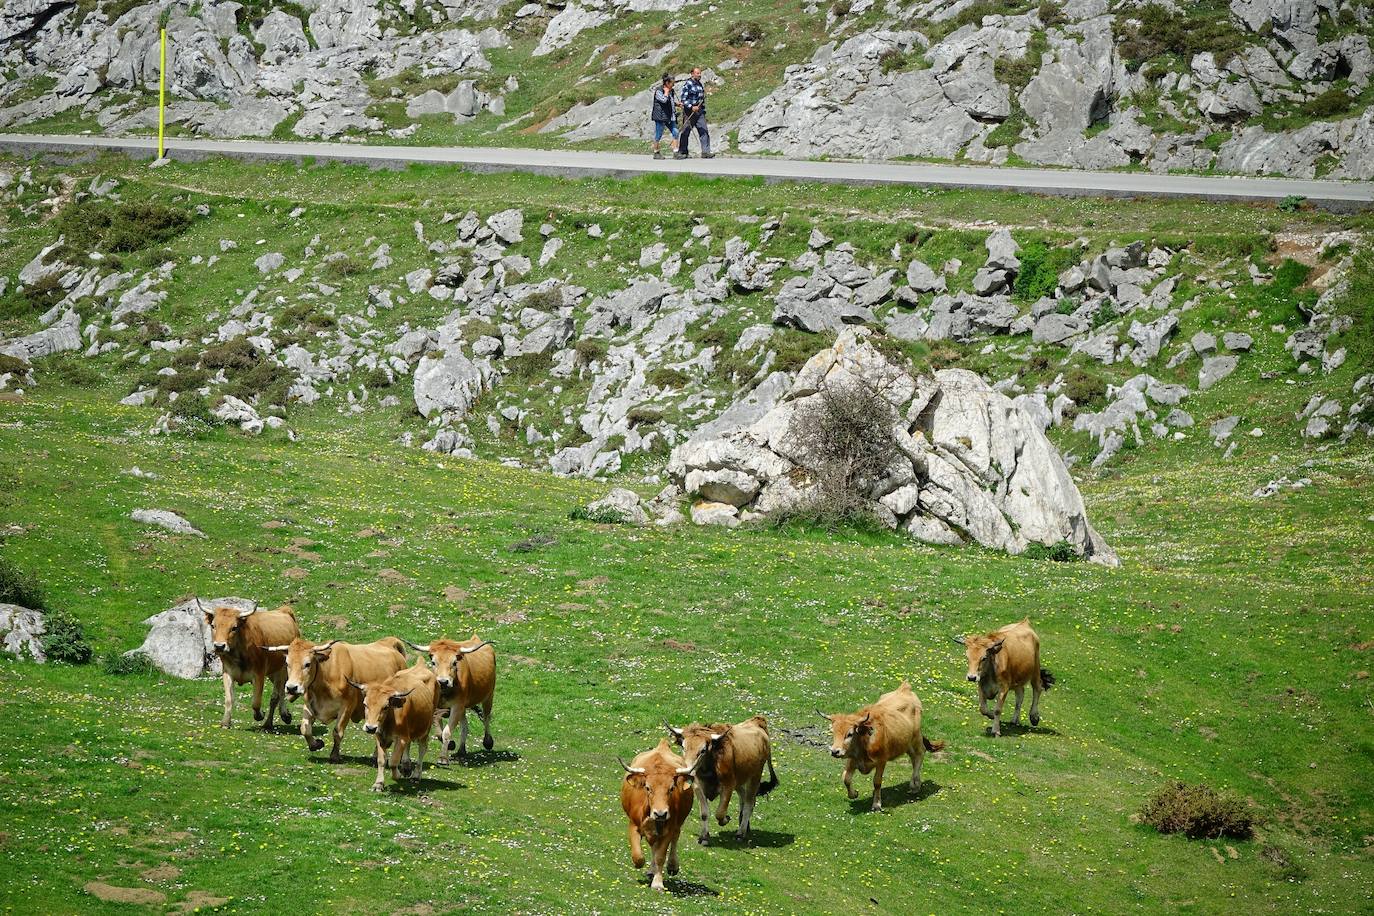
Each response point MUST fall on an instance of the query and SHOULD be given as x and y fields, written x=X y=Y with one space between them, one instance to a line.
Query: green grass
x=1226 y=650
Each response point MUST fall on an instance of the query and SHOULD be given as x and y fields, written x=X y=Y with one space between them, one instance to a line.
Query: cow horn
x=355 y=685
x=285 y=648
x=468 y=651
x=328 y=645
x=959 y=640
x=823 y=715
x=402 y=696
x=250 y=612
x=675 y=732
x=718 y=737
x=199 y=606
x=639 y=771
x=416 y=646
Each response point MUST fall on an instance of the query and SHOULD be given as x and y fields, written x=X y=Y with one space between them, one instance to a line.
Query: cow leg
x=381 y=768
x=339 y=727
x=279 y=695
x=445 y=738
x=1035 y=700
x=308 y=728
x=420 y=760
x=228 y=700
x=1020 y=695
x=660 y=849
x=398 y=750
x=672 y=855
x=997 y=713
x=849 y=779
x=723 y=808
x=746 y=811
x=259 y=678
x=463 y=732
x=487 y=741
x=636 y=851
x=878 y=785
x=918 y=758
x=703 y=805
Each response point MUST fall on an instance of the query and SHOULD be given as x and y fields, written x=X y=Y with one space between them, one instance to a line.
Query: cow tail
x=397 y=645
x=1046 y=679
x=932 y=746
x=772 y=783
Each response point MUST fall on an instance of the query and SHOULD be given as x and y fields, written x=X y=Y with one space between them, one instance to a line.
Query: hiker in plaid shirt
x=694 y=116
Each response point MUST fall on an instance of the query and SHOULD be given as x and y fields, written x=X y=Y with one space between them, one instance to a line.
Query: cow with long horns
x=245 y=642
x=465 y=673
x=399 y=712
x=322 y=674
x=656 y=795
x=727 y=759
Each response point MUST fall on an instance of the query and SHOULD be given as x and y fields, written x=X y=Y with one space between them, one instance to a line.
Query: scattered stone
x=163 y=518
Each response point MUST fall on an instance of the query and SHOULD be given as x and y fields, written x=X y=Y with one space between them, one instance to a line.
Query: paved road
x=1345 y=195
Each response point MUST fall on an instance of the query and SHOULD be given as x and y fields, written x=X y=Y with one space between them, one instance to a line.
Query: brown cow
x=727 y=758
x=657 y=797
x=466 y=675
x=321 y=674
x=245 y=643
x=1002 y=661
x=399 y=710
x=878 y=733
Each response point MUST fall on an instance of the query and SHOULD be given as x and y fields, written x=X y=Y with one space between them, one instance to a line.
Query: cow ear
x=322 y=653
x=396 y=702
x=996 y=647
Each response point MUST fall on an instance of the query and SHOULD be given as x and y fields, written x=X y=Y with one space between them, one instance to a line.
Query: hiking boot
x=658 y=155
x=680 y=155
x=708 y=155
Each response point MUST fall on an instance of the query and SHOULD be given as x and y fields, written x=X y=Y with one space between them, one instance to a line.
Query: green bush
x=72 y=369
x=601 y=515
x=1085 y=387
x=236 y=353
x=12 y=364
x=545 y=300
x=1051 y=13
x=642 y=414
x=665 y=377
x=1162 y=31
x=64 y=640
x=1197 y=812
x=744 y=32
x=1292 y=203
x=591 y=349
x=1330 y=103
x=1040 y=269
x=118 y=228
x=20 y=587
x=529 y=368
x=121 y=665
x=1062 y=552
x=792 y=349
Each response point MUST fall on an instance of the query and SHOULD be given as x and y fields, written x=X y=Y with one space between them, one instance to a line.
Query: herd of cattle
x=401 y=704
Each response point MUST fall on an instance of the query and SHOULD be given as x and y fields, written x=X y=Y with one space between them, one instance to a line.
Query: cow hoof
x=488 y=743
x=257 y=715
x=336 y=758
x=704 y=840
x=1034 y=721
x=376 y=787
x=672 y=869
x=877 y=809
x=315 y=744
x=740 y=836
x=723 y=820
x=852 y=794
x=286 y=717
x=224 y=724
x=463 y=751
x=453 y=745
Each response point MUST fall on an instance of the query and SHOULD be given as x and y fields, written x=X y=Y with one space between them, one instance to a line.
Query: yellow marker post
x=162 y=95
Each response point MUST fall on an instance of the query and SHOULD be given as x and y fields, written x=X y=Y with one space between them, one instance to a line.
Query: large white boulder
x=974 y=465
x=180 y=642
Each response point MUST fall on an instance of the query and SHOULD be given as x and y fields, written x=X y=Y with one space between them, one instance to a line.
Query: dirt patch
x=161 y=873
x=200 y=900
x=512 y=617
x=455 y=594
x=367 y=533
x=274 y=524
x=679 y=645
x=111 y=894
x=394 y=576
x=1363 y=646
x=417 y=909
x=294 y=572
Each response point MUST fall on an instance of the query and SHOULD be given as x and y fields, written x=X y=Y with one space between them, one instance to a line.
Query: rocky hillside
x=1256 y=86
x=601 y=342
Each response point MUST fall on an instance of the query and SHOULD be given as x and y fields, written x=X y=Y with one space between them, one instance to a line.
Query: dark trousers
x=695 y=120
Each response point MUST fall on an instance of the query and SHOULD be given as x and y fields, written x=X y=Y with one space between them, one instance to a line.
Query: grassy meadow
x=1232 y=647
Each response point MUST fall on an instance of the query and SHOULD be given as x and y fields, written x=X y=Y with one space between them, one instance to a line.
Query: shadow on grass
x=423 y=785
x=482 y=758
x=680 y=888
x=894 y=796
x=366 y=760
x=1009 y=730
x=761 y=839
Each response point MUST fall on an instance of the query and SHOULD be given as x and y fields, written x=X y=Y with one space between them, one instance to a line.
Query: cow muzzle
x=973 y=678
x=370 y=729
x=444 y=683
x=221 y=647
x=294 y=690
x=661 y=815
x=836 y=753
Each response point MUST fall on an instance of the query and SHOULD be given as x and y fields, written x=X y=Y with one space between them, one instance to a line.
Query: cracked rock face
x=975 y=468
